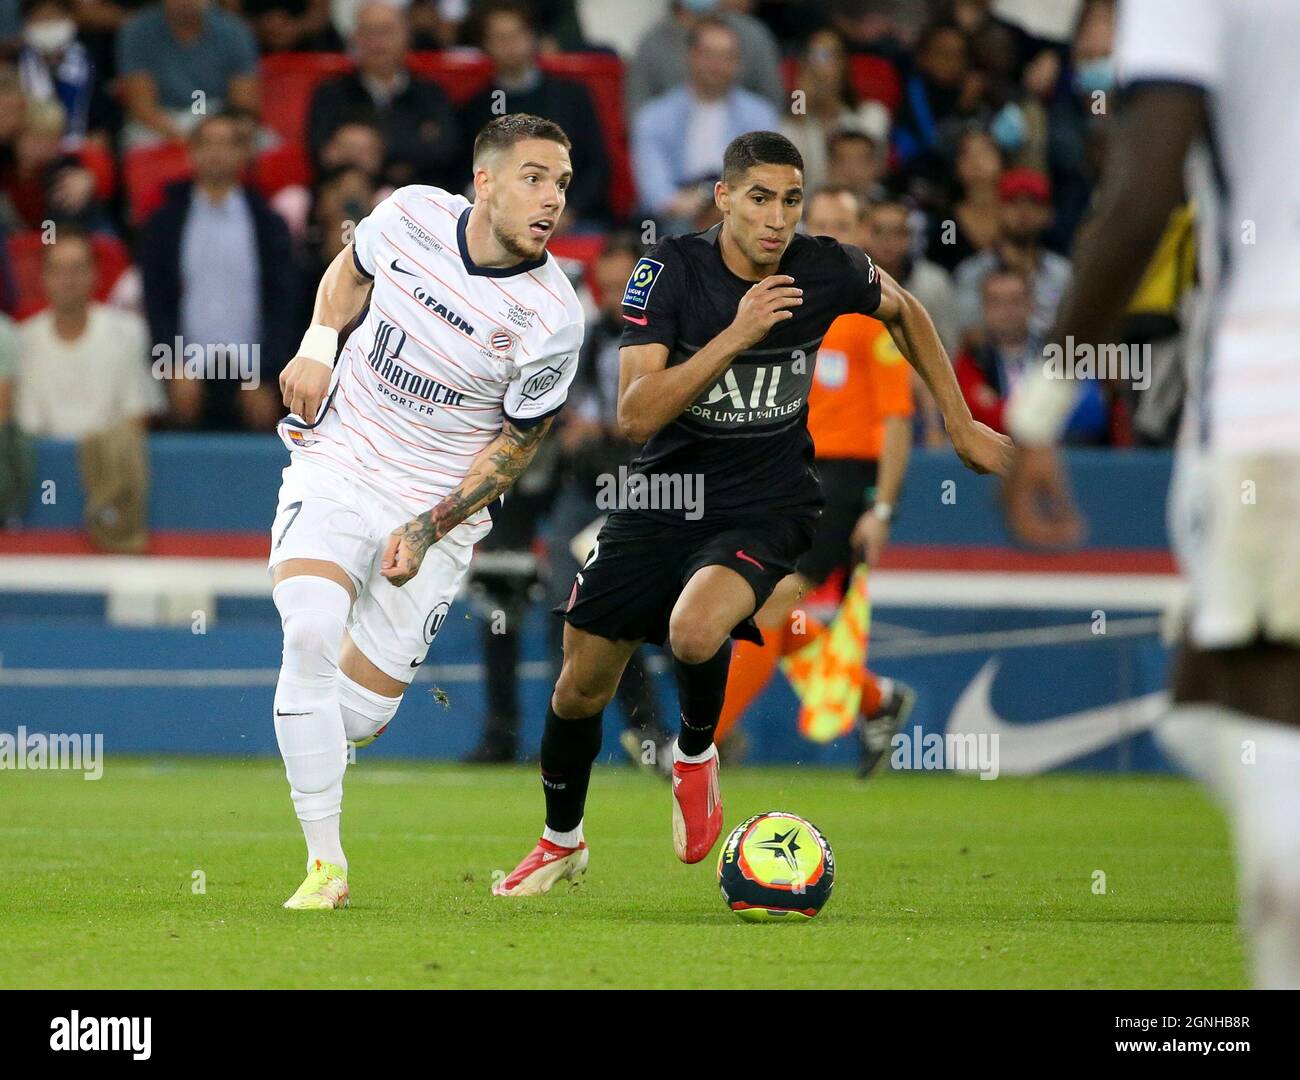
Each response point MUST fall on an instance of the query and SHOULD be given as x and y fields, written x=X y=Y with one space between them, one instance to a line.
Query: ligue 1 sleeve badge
x=640 y=282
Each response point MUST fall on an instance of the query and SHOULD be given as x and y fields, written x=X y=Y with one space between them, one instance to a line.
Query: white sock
x=323 y=841
x=365 y=712
x=308 y=724
x=694 y=759
x=572 y=838
x=1253 y=766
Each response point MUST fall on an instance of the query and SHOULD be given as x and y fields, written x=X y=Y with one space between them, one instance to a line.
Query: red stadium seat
x=290 y=79
x=99 y=160
x=461 y=74
x=602 y=74
x=288 y=82
x=280 y=168
x=583 y=248
x=789 y=72
x=873 y=79
x=876 y=79
x=26 y=251
x=146 y=171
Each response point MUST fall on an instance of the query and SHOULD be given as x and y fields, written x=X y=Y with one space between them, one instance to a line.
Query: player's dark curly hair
x=505 y=131
x=758 y=148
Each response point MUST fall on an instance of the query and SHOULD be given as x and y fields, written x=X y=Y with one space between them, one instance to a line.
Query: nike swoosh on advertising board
x=1036 y=747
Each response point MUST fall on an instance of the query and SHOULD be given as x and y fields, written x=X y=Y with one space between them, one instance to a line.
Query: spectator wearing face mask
x=53 y=65
x=1078 y=118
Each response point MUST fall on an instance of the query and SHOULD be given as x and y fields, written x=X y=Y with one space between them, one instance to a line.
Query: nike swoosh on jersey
x=394 y=265
x=642 y=320
x=279 y=713
x=740 y=554
x=1034 y=748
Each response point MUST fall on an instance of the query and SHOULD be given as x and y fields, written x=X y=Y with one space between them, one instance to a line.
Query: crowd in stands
x=209 y=159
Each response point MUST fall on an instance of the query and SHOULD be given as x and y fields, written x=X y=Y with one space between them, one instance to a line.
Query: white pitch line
x=1013 y=639
x=461 y=674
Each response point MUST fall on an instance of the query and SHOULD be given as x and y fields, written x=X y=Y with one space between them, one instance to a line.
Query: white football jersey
x=1243 y=54
x=446 y=350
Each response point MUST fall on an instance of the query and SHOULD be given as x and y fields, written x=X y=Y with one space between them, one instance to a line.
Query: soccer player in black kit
x=721 y=330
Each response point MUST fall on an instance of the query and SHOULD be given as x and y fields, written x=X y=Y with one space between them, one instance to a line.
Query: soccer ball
x=776 y=867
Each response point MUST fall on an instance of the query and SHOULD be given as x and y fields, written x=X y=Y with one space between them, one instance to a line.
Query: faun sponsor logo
x=450 y=317
x=120 y=1033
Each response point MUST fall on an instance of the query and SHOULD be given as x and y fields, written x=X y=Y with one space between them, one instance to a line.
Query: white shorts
x=324 y=514
x=1236 y=530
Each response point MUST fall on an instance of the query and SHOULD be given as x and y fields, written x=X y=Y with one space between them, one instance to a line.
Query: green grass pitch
x=941 y=882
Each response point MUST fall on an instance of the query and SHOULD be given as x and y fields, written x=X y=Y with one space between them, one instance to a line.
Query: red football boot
x=697 y=807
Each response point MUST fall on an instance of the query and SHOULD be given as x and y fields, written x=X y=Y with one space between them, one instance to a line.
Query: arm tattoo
x=494 y=470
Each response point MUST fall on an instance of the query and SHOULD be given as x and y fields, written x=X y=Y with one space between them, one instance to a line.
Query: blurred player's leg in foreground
x=1235 y=724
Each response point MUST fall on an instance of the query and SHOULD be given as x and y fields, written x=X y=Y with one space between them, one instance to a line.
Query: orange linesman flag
x=829 y=673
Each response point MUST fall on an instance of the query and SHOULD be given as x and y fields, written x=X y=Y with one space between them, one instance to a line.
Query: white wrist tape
x=1040 y=408
x=320 y=343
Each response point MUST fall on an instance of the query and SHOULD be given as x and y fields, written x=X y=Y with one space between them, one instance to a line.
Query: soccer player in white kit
x=1211 y=106
x=466 y=346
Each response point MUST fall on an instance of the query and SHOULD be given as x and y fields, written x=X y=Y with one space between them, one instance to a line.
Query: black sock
x=700 y=690
x=568 y=749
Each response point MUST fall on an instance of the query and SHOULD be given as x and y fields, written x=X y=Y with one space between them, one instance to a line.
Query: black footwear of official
x=875 y=731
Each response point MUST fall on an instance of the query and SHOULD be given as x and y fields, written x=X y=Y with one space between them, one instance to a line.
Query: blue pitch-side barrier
x=229 y=482
x=167 y=690
x=79 y=675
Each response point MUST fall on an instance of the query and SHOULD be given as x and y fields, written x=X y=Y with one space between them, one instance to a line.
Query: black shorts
x=845 y=487
x=630 y=582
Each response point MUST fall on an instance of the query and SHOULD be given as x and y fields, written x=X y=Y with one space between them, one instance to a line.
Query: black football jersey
x=747 y=435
